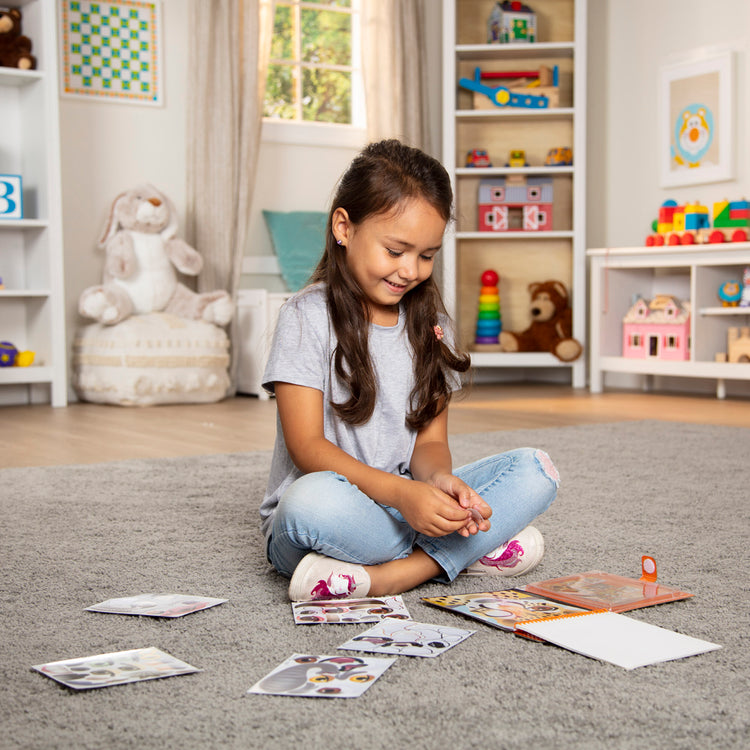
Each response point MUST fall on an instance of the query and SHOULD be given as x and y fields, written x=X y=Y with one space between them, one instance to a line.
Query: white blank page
x=617 y=639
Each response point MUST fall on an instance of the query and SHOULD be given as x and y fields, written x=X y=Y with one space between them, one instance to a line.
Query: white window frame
x=276 y=130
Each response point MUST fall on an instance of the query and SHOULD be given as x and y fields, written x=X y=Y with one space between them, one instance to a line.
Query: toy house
x=511 y=22
x=515 y=204
x=738 y=344
x=658 y=329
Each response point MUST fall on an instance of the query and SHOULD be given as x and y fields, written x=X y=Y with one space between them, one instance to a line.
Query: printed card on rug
x=117 y=668
x=407 y=638
x=503 y=609
x=322 y=676
x=371 y=609
x=156 y=605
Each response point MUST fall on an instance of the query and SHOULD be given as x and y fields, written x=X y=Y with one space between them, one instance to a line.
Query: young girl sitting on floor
x=362 y=499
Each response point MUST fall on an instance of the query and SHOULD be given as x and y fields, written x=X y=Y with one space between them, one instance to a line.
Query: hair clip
x=438 y=333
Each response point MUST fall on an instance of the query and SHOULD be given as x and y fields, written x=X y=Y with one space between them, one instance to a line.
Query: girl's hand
x=432 y=511
x=467 y=498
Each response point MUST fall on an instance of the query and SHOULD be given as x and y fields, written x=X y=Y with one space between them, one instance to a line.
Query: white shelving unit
x=692 y=273
x=519 y=257
x=32 y=310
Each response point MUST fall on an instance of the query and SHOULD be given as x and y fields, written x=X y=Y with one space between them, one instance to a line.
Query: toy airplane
x=502 y=96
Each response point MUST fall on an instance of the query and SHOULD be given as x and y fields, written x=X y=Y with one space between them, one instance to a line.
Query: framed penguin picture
x=696 y=120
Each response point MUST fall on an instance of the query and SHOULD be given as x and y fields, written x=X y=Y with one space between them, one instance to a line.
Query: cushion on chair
x=298 y=239
x=151 y=359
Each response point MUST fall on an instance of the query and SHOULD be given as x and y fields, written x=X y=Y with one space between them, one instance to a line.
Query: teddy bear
x=551 y=324
x=15 y=49
x=142 y=257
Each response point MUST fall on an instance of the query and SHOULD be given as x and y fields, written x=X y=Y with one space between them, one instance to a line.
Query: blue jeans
x=325 y=513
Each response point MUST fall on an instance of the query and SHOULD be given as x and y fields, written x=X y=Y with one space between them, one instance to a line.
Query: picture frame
x=696 y=119
x=111 y=50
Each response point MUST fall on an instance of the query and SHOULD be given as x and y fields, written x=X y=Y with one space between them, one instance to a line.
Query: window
x=313 y=72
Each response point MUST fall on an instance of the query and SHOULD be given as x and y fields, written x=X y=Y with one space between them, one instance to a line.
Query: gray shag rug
x=76 y=535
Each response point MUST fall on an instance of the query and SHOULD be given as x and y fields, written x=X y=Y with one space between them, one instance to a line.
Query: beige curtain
x=230 y=42
x=394 y=71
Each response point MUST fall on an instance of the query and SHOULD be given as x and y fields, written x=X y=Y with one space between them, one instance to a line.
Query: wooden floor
x=89 y=433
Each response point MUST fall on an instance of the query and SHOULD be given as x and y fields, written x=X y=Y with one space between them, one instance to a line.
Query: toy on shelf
x=11 y=196
x=517 y=158
x=511 y=22
x=489 y=319
x=478 y=157
x=659 y=329
x=536 y=89
x=551 y=328
x=15 y=48
x=730 y=293
x=559 y=157
x=10 y=356
x=745 y=296
x=690 y=224
x=738 y=344
x=515 y=204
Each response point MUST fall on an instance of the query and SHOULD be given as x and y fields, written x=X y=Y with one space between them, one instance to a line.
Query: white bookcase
x=692 y=273
x=32 y=306
x=519 y=257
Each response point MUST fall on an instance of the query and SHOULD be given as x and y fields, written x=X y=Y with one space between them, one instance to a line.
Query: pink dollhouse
x=658 y=329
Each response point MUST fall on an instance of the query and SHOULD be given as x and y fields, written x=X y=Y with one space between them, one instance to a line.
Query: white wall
x=630 y=40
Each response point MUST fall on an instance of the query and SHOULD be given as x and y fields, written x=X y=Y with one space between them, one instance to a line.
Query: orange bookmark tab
x=648 y=568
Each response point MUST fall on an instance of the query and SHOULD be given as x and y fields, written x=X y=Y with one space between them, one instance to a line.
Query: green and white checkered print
x=110 y=49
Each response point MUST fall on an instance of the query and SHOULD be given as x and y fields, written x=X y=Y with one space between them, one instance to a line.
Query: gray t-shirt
x=302 y=353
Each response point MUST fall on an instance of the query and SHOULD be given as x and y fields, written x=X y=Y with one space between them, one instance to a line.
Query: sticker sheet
x=407 y=638
x=156 y=605
x=372 y=609
x=322 y=676
x=117 y=668
x=503 y=609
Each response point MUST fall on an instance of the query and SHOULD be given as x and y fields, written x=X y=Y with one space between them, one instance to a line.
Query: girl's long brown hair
x=379 y=180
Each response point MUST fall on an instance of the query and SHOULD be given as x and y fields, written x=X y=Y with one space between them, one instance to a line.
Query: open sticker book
x=371 y=609
x=322 y=676
x=116 y=668
x=503 y=609
x=155 y=605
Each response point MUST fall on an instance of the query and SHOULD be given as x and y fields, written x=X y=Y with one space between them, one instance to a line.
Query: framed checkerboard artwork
x=112 y=50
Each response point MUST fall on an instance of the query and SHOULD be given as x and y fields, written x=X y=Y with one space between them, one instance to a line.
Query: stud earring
x=339 y=242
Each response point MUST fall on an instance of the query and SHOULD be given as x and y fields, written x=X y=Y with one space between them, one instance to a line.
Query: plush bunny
x=142 y=254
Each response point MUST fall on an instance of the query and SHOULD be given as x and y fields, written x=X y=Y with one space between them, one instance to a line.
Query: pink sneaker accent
x=514 y=558
x=321 y=577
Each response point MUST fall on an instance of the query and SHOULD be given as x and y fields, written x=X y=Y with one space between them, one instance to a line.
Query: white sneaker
x=514 y=558
x=320 y=577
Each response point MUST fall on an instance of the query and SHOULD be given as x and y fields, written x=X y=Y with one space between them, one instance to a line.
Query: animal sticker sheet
x=116 y=668
x=503 y=609
x=156 y=605
x=407 y=638
x=322 y=676
x=372 y=609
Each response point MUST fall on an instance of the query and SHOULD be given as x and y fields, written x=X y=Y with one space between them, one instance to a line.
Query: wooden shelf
x=692 y=273
x=519 y=257
x=32 y=306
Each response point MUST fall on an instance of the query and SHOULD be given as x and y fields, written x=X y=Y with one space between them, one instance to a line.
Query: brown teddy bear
x=15 y=49
x=551 y=326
